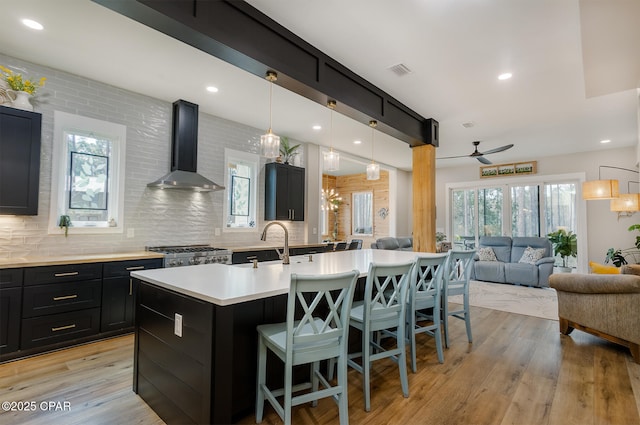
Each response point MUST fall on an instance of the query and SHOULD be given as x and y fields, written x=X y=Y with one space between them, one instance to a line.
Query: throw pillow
x=486 y=254
x=531 y=255
x=602 y=269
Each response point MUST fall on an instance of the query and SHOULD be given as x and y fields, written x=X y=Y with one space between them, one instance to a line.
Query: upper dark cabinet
x=19 y=161
x=284 y=192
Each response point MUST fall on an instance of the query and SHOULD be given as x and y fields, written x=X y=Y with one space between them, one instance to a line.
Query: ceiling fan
x=480 y=155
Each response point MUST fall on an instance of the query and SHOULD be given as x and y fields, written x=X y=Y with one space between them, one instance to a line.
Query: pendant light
x=373 y=169
x=270 y=143
x=331 y=158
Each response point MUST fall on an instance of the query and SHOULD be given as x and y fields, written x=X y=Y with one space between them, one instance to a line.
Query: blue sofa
x=401 y=244
x=508 y=268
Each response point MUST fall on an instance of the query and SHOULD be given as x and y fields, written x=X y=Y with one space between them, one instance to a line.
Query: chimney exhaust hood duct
x=184 y=153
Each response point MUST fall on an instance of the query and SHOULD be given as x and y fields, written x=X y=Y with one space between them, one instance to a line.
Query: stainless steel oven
x=189 y=255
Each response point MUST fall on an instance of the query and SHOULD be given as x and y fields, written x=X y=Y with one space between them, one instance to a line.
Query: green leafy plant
x=565 y=244
x=65 y=223
x=286 y=150
x=619 y=256
x=616 y=256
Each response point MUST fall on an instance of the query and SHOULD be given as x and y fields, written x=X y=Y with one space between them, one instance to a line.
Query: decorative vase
x=22 y=101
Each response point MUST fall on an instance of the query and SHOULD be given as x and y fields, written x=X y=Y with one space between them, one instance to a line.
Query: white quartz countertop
x=231 y=284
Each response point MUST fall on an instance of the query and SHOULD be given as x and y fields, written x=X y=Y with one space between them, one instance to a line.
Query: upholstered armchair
x=604 y=305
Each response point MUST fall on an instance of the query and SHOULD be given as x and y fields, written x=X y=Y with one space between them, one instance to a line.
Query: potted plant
x=619 y=256
x=565 y=244
x=286 y=150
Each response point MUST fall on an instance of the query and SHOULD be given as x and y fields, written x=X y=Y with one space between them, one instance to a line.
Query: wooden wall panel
x=346 y=186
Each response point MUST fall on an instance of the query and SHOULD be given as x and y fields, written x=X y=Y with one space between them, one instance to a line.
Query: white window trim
x=255 y=160
x=63 y=122
x=579 y=178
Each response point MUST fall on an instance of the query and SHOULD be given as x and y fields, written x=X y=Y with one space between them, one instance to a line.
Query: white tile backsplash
x=158 y=217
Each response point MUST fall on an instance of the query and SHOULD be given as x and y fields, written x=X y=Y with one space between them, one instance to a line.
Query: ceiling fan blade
x=500 y=149
x=451 y=157
x=483 y=160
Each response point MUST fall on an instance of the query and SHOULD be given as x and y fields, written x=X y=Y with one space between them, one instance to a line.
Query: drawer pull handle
x=252 y=257
x=65 y=297
x=66 y=274
x=135 y=268
x=62 y=328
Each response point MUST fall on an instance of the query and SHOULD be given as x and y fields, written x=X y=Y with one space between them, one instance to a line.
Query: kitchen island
x=195 y=338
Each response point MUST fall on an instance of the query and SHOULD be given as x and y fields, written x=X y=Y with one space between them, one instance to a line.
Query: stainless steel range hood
x=184 y=153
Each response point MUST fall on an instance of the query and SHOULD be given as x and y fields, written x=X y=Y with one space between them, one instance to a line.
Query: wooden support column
x=424 y=198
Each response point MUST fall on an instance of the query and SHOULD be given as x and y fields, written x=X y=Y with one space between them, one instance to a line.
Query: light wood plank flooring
x=519 y=370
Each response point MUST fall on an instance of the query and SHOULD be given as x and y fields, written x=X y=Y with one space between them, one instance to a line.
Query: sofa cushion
x=486 y=254
x=521 y=273
x=521 y=243
x=598 y=268
x=489 y=271
x=531 y=255
x=405 y=244
x=388 y=243
x=501 y=246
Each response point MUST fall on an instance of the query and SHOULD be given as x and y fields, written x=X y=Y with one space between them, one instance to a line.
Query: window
x=521 y=210
x=242 y=194
x=525 y=211
x=362 y=219
x=88 y=174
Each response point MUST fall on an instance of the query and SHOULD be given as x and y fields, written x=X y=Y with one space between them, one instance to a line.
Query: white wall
x=604 y=229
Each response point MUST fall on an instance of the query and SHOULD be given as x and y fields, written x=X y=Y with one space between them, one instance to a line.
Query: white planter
x=22 y=101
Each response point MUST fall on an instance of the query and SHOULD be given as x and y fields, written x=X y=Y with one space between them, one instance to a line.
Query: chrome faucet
x=284 y=255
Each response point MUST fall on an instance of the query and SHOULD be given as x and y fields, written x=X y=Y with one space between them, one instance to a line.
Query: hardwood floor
x=519 y=370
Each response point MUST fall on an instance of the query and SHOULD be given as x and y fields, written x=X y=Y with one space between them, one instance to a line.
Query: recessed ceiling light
x=212 y=89
x=505 y=76
x=317 y=127
x=605 y=141
x=357 y=142
x=32 y=24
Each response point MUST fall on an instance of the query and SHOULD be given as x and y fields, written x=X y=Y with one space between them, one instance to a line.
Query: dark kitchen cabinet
x=19 y=161
x=60 y=304
x=119 y=292
x=10 y=304
x=284 y=192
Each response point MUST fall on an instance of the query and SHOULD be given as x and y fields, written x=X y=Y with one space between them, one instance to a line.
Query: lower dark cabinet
x=54 y=328
x=119 y=293
x=10 y=303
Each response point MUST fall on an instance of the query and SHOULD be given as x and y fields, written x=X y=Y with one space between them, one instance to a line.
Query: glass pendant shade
x=627 y=202
x=331 y=160
x=373 y=171
x=600 y=189
x=270 y=145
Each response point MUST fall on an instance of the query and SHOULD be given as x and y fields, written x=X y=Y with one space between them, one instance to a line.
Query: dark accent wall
x=239 y=34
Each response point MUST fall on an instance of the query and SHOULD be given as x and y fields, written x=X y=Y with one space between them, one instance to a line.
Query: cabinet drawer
x=60 y=297
x=157 y=309
x=10 y=278
x=62 y=273
x=40 y=331
x=248 y=256
x=124 y=268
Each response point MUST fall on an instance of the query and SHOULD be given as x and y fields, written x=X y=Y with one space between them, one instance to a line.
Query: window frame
x=253 y=161
x=116 y=133
x=353 y=212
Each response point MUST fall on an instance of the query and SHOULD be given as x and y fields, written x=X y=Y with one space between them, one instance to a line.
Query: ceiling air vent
x=400 y=69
